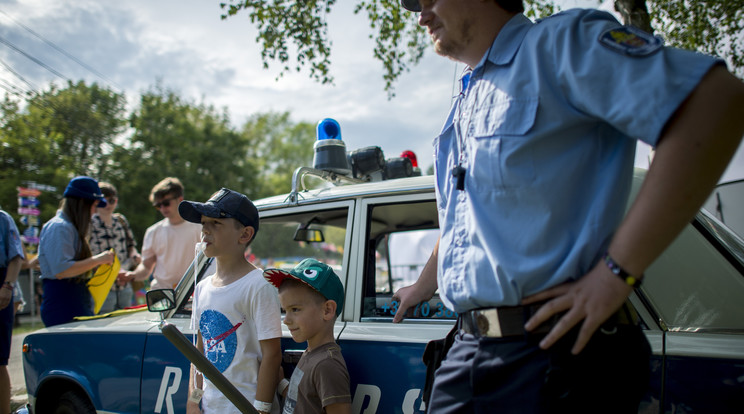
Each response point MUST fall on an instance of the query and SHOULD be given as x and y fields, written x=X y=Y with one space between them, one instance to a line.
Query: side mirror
x=309 y=235
x=159 y=300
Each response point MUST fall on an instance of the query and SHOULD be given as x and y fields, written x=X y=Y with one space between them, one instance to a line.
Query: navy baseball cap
x=87 y=188
x=315 y=274
x=225 y=203
x=411 y=5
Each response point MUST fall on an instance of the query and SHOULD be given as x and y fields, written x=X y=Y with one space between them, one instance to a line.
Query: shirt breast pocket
x=502 y=159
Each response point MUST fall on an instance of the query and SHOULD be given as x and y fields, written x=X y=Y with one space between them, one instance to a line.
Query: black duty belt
x=506 y=321
x=503 y=321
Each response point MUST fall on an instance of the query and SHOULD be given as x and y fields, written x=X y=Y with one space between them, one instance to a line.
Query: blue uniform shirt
x=57 y=246
x=546 y=128
x=10 y=241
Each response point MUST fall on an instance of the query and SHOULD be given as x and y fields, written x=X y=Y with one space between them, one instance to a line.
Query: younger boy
x=238 y=315
x=312 y=296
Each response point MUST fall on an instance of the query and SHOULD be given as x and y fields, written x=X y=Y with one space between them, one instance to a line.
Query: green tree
x=711 y=26
x=82 y=130
x=54 y=135
x=708 y=26
x=277 y=147
x=175 y=137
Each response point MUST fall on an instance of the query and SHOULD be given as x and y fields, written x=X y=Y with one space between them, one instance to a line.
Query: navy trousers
x=513 y=375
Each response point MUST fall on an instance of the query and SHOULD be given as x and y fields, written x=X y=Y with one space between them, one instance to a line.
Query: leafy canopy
x=83 y=129
x=299 y=28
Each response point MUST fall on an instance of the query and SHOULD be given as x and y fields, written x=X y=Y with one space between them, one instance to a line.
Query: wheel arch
x=56 y=384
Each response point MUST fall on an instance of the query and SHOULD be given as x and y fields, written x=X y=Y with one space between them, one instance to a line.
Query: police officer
x=11 y=261
x=533 y=171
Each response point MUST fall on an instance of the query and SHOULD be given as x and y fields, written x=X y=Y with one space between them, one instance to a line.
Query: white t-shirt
x=173 y=248
x=232 y=319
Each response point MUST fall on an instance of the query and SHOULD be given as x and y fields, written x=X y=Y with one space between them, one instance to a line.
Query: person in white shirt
x=168 y=246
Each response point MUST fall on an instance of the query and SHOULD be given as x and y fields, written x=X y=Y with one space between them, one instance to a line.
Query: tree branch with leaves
x=295 y=33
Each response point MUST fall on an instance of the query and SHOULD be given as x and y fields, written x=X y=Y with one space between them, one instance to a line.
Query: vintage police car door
x=384 y=359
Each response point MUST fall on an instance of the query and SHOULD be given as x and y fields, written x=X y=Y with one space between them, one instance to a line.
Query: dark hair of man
x=77 y=211
x=107 y=189
x=511 y=6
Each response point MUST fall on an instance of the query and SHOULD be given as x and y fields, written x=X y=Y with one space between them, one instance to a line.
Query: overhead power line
x=61 y=50
x=18 y=75
x=33 y=59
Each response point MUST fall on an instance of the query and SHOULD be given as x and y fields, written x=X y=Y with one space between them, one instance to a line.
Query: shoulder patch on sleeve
x=630 y=41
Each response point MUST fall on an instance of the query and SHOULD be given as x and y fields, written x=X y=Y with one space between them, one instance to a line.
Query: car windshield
x=698 y=282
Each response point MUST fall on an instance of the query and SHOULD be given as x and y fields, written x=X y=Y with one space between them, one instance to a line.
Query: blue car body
x=691 y=305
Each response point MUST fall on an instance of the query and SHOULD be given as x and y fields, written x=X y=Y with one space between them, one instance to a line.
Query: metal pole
x=206 y=367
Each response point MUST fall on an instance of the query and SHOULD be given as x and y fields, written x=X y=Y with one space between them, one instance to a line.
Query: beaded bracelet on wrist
x=617 y=270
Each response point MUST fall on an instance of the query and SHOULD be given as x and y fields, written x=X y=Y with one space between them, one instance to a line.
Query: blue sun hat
x=87 y=188
x=315 y=274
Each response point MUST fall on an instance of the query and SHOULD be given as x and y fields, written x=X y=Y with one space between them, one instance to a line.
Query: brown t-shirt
x=320 y=379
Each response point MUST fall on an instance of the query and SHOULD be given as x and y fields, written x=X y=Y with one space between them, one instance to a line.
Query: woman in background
x=65 y=257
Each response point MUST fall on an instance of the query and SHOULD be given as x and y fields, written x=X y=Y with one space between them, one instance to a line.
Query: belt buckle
x=487 y=322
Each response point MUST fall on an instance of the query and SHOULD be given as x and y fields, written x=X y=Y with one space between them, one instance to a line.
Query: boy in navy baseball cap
x=312 y=296
x=225 y=203
x=236 y=311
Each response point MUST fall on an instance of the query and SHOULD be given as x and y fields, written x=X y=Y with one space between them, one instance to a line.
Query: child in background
x=236 y=311
x=312 y=296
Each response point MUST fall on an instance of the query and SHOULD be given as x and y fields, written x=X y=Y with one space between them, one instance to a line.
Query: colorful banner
x=29 y=211
x=30 y=220
x=31 y=232
x=30 y=240
x=28 y=192
x=28 y=201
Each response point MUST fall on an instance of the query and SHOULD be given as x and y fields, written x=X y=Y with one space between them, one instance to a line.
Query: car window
x=401 y=237
x=275 y=245
x=401 y=257
x=698 y=282
x=278 y=249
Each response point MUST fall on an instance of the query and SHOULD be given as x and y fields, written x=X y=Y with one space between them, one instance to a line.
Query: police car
x=377 y=236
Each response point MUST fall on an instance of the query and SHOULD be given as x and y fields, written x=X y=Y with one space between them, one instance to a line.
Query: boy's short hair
x=166 y=186
x=318 y=276
x=289 y=282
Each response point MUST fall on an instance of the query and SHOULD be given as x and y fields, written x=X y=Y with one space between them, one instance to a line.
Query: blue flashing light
x=328 y=128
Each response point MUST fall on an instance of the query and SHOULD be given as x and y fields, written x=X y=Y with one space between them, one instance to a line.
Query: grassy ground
x=26 y=324
x=27 y=327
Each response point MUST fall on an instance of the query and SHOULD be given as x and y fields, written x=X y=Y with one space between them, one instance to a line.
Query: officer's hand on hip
x=592 y=299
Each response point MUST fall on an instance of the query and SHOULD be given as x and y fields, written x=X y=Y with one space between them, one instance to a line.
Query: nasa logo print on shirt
x=220 y=340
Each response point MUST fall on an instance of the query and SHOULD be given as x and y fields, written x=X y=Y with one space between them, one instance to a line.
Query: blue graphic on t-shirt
x=220 y=339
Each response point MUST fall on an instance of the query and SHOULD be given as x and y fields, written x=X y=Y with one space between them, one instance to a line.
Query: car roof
x=328 y=193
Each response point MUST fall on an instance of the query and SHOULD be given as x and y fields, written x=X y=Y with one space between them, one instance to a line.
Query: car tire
x=71 y=402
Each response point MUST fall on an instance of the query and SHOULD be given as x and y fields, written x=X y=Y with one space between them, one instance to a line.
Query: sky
x=130 y=46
